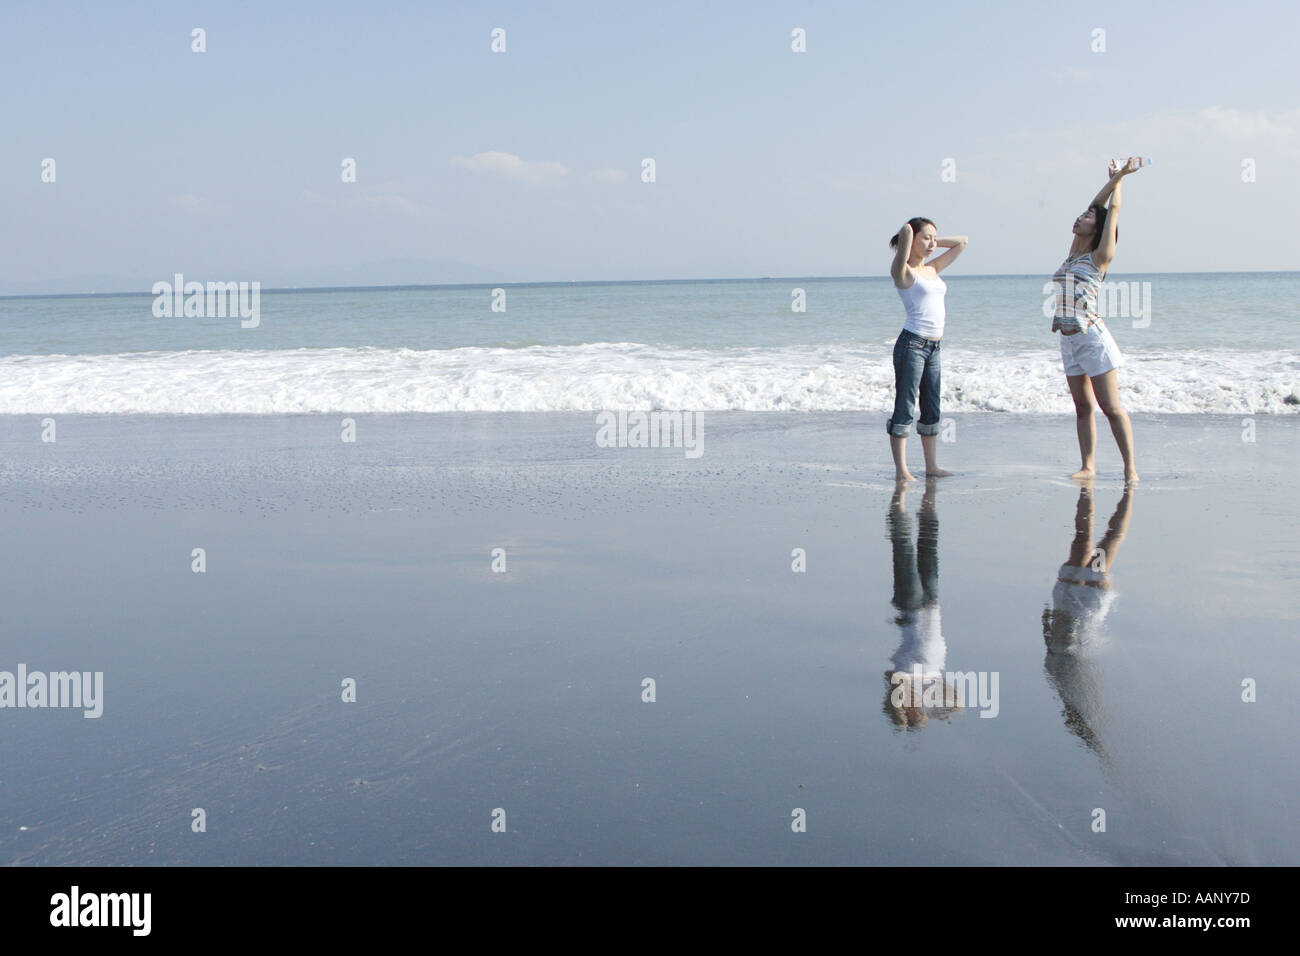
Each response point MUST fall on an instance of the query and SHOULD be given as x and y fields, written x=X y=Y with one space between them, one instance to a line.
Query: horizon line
x=575 y=282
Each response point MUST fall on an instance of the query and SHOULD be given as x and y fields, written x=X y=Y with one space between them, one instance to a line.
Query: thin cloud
x=384 y=196
x=608 y=175
x=1077 y=74
x=190 y=203
x=1214 y=124
x=1238 y=124
x=533 y=173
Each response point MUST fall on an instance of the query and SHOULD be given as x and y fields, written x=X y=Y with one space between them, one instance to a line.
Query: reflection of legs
x=1117 y=528
x=1106 y=388
x=1081 y=546
x=1081 y=553
x=1084 y=408
x=907 y=583
x=927 y=546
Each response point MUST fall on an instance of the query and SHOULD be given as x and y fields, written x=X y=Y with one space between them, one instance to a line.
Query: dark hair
x=1099 y=212
x=916 y=222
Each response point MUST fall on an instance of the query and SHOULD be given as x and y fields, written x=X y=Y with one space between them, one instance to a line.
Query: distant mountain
x=382 y=272
x=73 y=285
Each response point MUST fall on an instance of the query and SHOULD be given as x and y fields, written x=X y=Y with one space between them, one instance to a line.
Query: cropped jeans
x=916 y=370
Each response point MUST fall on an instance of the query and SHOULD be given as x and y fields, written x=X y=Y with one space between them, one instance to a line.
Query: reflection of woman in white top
x=1081 y=600
x=917 y=664
x=1089 y=354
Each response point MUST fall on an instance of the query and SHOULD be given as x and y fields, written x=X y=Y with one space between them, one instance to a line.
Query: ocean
x=1223 y=343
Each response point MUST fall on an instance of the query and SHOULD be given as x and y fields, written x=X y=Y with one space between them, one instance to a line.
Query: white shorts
x=1079 y=606
x=1090 y=353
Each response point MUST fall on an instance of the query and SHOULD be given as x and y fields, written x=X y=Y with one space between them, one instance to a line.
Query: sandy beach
x=523 y=689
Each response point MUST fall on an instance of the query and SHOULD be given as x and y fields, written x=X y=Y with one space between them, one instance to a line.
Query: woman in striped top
x=1088 y=350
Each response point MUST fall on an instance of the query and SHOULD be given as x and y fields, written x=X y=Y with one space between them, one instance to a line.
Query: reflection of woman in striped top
x=1088 y=351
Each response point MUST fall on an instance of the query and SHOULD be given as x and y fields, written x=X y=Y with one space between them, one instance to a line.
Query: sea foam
x=836 y=377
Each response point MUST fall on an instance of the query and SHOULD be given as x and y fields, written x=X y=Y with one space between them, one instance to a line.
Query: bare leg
x=1106 y=388
x=1084 y=409
x=898 y=445
x=932 y=470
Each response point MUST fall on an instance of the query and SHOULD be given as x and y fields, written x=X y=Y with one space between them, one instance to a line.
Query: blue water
x=1197 y=310
x=1194 y=342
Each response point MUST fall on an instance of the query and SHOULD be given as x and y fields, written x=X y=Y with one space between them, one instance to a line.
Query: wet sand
x=1119 y=682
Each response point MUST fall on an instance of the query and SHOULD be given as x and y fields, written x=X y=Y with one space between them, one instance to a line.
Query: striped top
x=1077 y=283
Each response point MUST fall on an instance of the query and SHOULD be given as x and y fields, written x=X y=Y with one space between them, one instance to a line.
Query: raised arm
x=1115 y=177
x=1105 y=251
x=954 y=245
x=900 y=271
x=1104 y=254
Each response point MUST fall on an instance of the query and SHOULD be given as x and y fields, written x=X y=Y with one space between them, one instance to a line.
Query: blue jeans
x=916 y=566
x=916 y=369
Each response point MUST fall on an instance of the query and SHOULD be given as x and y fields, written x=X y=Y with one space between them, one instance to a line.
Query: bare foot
x=904 y=476
x=1130 y=477
x=1083 y=474
x=936 y=473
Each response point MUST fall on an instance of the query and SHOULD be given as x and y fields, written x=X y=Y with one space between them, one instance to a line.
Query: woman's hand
x=955 y=245
x=1129 y=166
x=1116 y=171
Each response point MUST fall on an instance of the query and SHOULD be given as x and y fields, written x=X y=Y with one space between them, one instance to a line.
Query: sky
x=526 y=165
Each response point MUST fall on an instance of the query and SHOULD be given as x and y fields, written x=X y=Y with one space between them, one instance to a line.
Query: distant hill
x=382 y=272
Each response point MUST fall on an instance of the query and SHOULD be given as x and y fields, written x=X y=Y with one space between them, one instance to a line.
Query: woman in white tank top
x=916 y=352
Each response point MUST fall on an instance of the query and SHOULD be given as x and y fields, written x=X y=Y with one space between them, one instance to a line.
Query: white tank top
x=923 y=300
x=923 y=645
